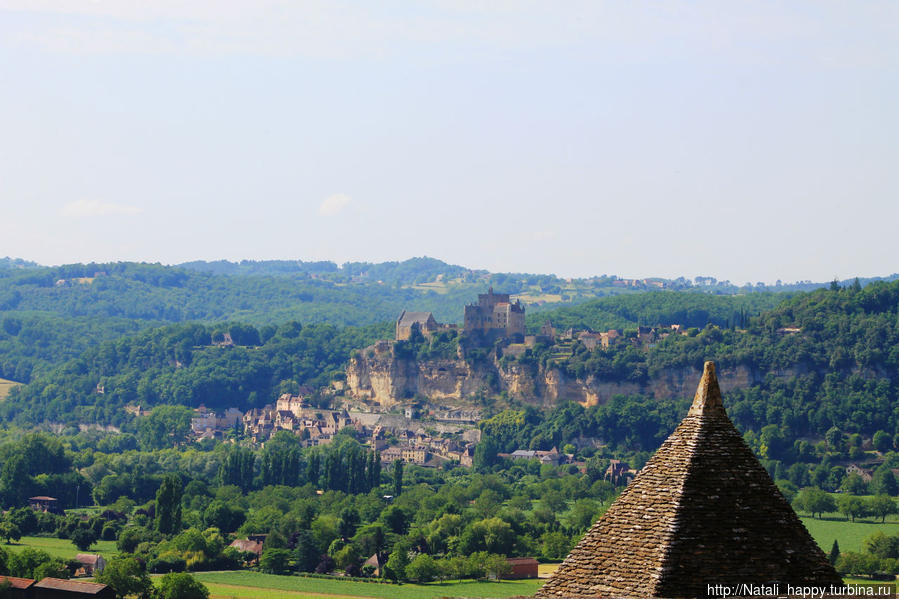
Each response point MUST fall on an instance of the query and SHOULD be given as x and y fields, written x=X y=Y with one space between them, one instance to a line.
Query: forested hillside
x=164 y=293
x=51 y=314
x=825 y=360
x=67 y=329
x=659 y=308
x=186 y=364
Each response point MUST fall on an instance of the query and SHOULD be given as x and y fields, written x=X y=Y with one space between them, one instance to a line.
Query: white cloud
x=80 y=208
x=333 y=204
x=544 y=235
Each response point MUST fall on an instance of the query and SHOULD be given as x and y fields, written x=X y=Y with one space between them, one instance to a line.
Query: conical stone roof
x=703 y=511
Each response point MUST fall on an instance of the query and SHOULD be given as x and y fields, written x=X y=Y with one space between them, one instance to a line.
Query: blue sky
x=747 y=141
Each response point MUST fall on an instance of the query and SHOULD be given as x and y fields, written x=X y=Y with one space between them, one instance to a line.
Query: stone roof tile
x=702 y=511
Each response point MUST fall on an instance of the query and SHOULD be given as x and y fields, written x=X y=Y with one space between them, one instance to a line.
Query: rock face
x=703 y=511
x=379 y=376
x=387 y=380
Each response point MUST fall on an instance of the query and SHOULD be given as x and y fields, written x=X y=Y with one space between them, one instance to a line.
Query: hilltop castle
x=494 y=314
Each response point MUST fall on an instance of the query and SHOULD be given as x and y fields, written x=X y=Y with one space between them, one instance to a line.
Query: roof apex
x=702 y=511
x=708 y=394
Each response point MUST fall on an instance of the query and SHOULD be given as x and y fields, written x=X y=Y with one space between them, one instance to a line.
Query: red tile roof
x=17 y=583
x=89 y=588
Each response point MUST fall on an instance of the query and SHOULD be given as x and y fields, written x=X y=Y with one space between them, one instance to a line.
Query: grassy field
x=269 y=586
x=61 y=548
x=850 y=535
x=5 y=387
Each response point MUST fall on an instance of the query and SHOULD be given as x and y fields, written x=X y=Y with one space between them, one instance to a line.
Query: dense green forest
x=659 y=308
x=187 y=364
x=32 y=343
x=825 y=363
x=164 y=293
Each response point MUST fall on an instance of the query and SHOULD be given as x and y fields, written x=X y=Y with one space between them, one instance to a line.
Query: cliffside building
x=408 y=322
x=495 y=314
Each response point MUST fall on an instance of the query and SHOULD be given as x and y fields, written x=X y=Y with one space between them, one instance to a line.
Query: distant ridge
x=425 y=269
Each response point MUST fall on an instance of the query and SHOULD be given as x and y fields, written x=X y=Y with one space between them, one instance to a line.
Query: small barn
x=522 y=567
x=18 y=588
x=57 y=588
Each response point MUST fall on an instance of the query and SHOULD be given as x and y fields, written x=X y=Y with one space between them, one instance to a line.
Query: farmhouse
x=91 y=564
x=703 y=511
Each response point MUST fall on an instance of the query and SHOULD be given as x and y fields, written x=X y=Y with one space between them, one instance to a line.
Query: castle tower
x=703 y=511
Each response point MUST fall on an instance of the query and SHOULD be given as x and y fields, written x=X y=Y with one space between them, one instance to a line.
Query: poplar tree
x=168 y=505
x=397 y=477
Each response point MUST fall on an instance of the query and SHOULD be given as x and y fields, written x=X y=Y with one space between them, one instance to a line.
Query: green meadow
x=850 y=535
x=61 y=548
x=240 y=584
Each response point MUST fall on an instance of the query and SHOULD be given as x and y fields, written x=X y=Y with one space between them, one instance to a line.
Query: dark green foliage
x=168 y=505
x=10 y=532
x=884 y=482
x=397 y=477
x=344 y=466
x=346 y=525
x=281 y=467
x=881 y=506
x=83 y=538
x=127 y=577
x=882 y=441
x=226 y=517
x=135 y=485
x=165 y=426
x=275 y=561
x=814 y=501
x=306 y=554
x=237 y=469
x=35 y=563
x=659 y=308
x=834 y=552
x=179 y=365
x=38 y=454
x=181 y=586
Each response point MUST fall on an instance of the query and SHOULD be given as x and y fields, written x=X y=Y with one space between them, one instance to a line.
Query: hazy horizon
x=746 y=141
x=475 y=268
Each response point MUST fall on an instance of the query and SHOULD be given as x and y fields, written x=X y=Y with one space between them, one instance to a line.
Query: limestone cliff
x=387 y=380
x=384 y=379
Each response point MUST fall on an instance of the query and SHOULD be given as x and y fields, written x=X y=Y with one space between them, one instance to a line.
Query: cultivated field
x=269 y=586
x=5 y=387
